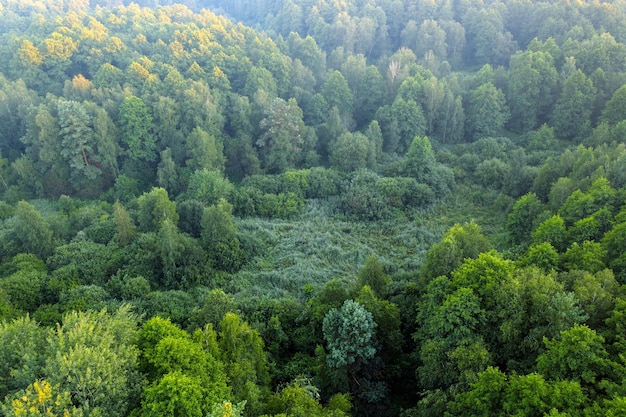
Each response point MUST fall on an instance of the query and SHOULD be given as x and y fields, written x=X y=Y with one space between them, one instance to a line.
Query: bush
x=363 y=201
x=324 y=182
x=405 y=192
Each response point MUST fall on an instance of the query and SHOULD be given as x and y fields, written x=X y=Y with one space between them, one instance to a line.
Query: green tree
x=483 y=275
x=77 y=146
x=300 y=399
x=22 y=355
x=167 y=172
x=487 y=38
x=352 y=151
x=136 y=130
x=125 y=228
x=588 y=256
x=373 y=275
x=453 y=349
x=242 y=352
x=154 y=208
x=400 y=123
x=105 y=139
x=219 y=236
x=215 y=305
x=93 y=357
x=613 y=112
x=369 y=97
x=149 y=335
x=348 y=333
x=172 y=252
x=486 y=112
x=495 y=393
x=283 y=135
x=209 y=187
x=182 y=354
x=532 y=81
x=485 y=396
x=542 y=255
x=40 y=399
x=532 y=304
x=573 y=109
x=337 y=93
x=175 y=394
x=523 y=219
x=28 y=232
x=460 y=242
x=420 y=160
x=204 y=151
x=553 y=231
x=25 y=288
x=579 y=355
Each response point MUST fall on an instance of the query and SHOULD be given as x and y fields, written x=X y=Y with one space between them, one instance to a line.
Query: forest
x=289 y=208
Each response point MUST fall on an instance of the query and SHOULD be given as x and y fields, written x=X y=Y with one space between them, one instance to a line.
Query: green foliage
x=613 y=112
x=219 y=236
x=92 y=356
x=100 y=101
x=573 y=109
x=373 y=275
x=125 y=228
x=352 y=151
x=487 y=111
x=215 y=306
x=524 y=395
x=532 y=79
x=588 y=256
x=208 y=187
x=283 y=137
x=77 y=141
x=551 y=231
x=94 y=262
x=363 y=201
x=348 y=333
x=241 y=351
x=41 y=399
x=579 y=355
x=300 y=400
x=542 y=255
x=175 y=394
x=457 y=244
x=205 y=151
x=420 y=160
x=136 y=129
x=523 y=218
x=154 y=208
x=28 y=232
x=23 y=354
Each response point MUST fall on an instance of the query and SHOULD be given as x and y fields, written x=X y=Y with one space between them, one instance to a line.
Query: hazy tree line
x=361 y=208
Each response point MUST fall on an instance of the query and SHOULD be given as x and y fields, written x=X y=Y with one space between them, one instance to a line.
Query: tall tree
x=77 y=145
x=486 y=112
x=242 y=352
x=154 y=208
x=348 y=333
x=283 y=137
x=573 y=109
x=28 y=232
x=219 y=236
x=92 y=355
x=615 y=109
x=136 y=131
x=532 y=81
x=204 y=151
